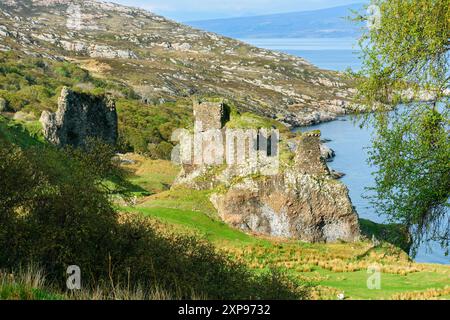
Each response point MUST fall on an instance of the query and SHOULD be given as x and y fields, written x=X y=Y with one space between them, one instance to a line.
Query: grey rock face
x=302 y=202
x=326 y=152
x=308 y=158
x=291 y=205
x=81 y=116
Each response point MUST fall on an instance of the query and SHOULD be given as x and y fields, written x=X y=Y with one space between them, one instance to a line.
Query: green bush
x=148 y=129
x=54 y=213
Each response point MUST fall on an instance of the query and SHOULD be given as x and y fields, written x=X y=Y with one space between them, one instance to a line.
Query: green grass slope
x=331 y=268
x=23 y=134
x=334 y=268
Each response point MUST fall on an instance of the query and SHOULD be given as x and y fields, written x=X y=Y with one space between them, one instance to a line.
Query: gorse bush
x=53 y=213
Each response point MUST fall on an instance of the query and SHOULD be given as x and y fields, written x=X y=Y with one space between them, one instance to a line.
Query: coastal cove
x=348 y=139
x=148 y=159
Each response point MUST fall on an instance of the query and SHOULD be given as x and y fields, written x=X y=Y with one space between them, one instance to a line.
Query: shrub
x=53 y=213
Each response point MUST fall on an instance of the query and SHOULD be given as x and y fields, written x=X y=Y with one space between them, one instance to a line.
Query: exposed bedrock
x=304 y=202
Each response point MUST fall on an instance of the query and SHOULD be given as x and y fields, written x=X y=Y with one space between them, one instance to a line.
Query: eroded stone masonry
x=81 y=116
x=303 y=201
x=210 y=115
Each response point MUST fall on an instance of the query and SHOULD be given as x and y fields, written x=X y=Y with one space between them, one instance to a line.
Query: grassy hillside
x=166 y=61
x=335 y=268
x=330 y=268
x=22 y=133
x=62 y=206
x=57 y=210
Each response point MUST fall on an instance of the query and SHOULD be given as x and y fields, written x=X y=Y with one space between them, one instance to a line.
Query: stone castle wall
x=81 y=116
x=211 y=115
x=302 y=202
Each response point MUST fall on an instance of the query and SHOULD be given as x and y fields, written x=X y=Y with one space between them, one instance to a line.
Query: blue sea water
x=349 y=140
x=330 y=53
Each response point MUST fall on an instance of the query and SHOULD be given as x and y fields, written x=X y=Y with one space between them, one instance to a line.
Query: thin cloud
x=184 y=10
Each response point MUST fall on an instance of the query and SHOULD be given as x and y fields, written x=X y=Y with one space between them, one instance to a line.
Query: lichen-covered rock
x=81 y=116
x=291 y=205
x=326 y=152
x=303 y=201
x=308 y=159
x=96 y=50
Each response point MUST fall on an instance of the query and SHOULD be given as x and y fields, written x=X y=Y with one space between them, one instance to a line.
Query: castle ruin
x=81 y=116
x=301 y=201
x=210 y=115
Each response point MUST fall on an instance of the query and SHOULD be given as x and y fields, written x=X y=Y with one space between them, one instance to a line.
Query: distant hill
x=164 y=61
x=324 y=23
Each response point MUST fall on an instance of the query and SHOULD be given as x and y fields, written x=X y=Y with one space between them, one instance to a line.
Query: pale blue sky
x=186 y=10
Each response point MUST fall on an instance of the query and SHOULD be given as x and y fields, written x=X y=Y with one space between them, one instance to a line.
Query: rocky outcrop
x=308 y=158
x=302 y=201
x=80 y=116
x=97 y=51
x=326 y=152
x=290 y=205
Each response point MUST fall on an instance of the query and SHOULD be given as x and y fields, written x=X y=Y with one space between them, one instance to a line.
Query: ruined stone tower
x=81 y=116
x=210 y=115
x=300 y=201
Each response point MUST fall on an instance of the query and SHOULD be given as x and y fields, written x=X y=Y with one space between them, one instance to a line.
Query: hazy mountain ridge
x=163 y=60
x=324 y=23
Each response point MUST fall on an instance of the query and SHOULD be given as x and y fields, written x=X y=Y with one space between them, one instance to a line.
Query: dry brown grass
x=324 y=293
x=332 y=257
x=24 y=284
x=430 y=294
x=97 y=68
x=32 y=277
